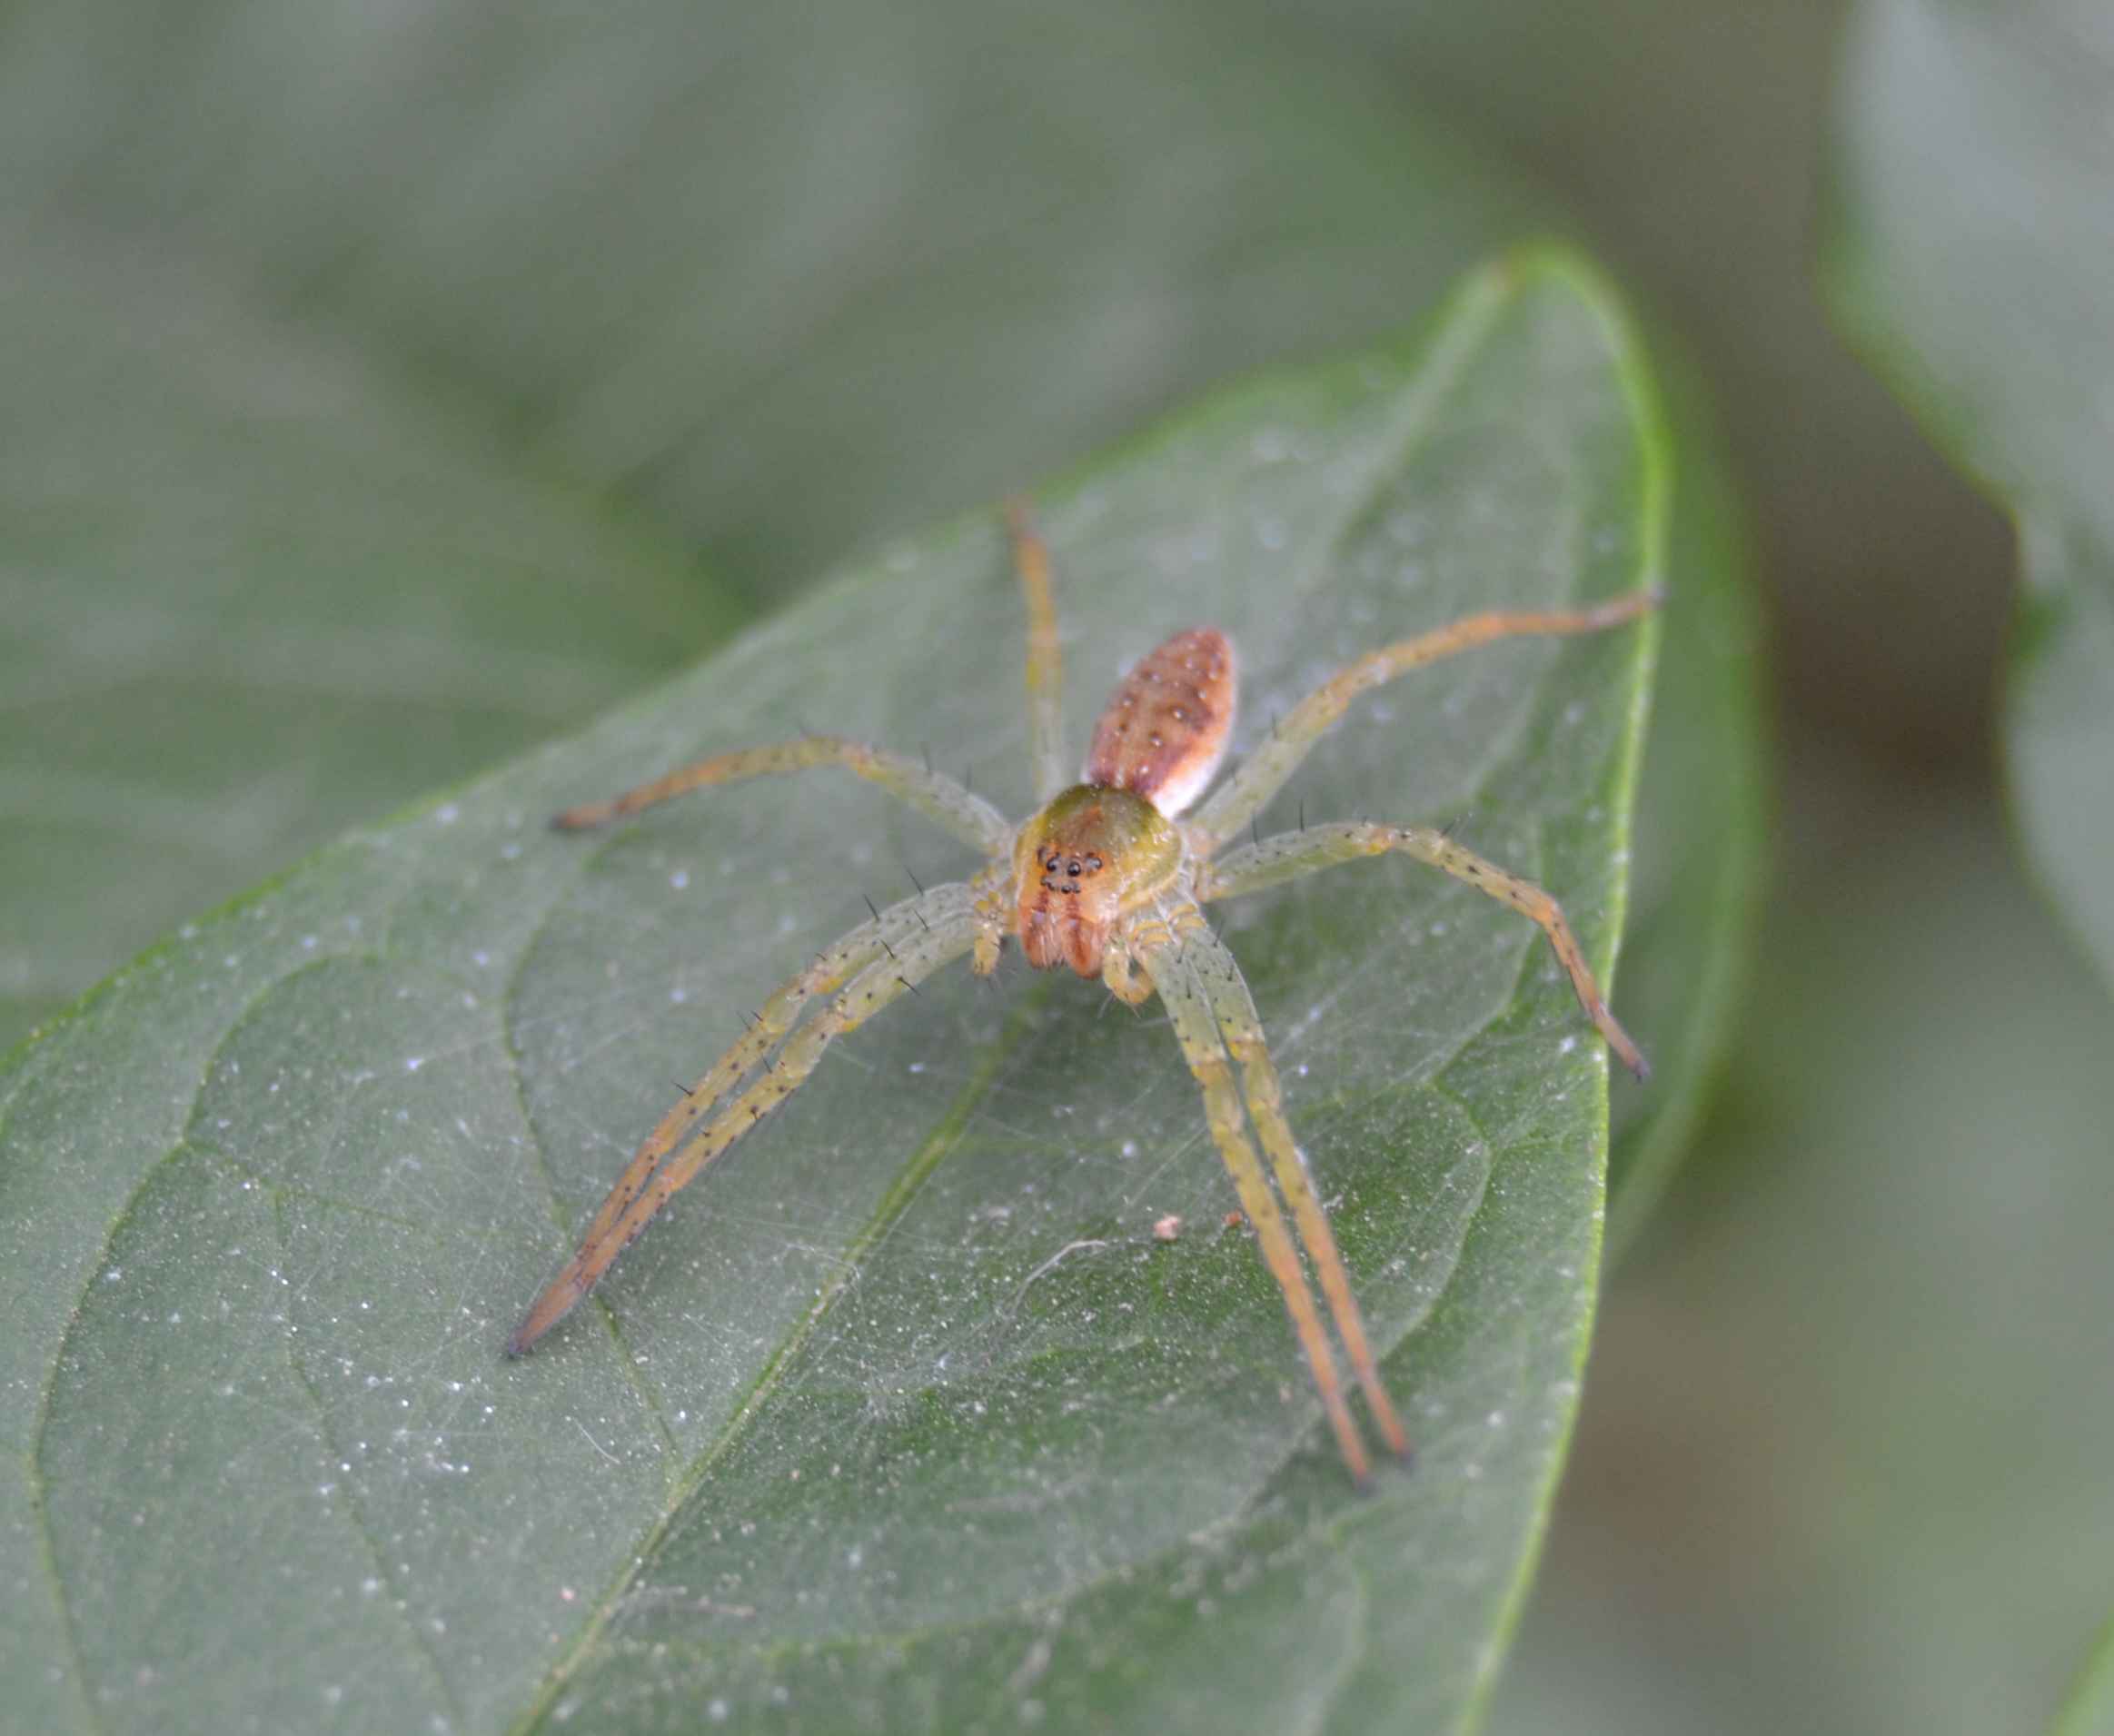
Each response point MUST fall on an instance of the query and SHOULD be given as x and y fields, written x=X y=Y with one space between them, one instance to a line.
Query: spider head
x=1082 y=864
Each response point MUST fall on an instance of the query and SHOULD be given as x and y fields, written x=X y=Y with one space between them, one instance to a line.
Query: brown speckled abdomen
x=1165 y=729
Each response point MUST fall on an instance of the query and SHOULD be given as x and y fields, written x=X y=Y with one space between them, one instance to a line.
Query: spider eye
x=1073 y=867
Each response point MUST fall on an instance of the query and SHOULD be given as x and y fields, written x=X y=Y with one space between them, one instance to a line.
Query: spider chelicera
x=1107 y=877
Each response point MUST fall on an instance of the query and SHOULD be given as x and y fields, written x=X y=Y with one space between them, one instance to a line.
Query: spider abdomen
x=1164 y=729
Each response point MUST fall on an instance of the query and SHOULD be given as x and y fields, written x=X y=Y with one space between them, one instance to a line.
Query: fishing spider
x=1106 y=878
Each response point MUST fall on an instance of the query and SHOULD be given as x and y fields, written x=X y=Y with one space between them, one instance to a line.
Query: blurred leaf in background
x=1968 y=253
x=1687 y=138
x=1843 y=1463
x=256 y=585
x=905 y=1419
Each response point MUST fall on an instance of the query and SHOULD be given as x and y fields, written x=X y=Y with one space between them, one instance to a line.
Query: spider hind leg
x=1169 y=963
x=1242 y=1028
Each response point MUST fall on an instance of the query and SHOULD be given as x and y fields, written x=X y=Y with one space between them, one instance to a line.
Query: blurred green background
x=760 y=289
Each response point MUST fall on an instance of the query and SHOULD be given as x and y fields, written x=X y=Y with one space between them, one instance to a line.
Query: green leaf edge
x=1709 y=509
x=1642 y=392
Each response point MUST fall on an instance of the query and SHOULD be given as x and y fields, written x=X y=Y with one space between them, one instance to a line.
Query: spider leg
x=1045 y=671
x=1291 y=854
x=1262 y=774
x=1242 y=1027
x=934 y=795
x=875 y=963
x=1167 y=962
x=891 y=930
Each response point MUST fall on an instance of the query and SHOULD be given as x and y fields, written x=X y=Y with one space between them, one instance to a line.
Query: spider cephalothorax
x=1089 y=859
x=1100 y=878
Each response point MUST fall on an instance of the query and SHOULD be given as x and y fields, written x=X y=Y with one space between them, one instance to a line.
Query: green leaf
x=255 y=588
x=1967 y=252
x=903 y=1416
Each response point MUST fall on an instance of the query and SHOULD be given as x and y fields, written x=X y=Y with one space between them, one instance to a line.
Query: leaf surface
x=904 y=1416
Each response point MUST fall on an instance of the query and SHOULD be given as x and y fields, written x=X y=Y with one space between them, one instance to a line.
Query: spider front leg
x=1291 y=854
x=1167 y=962
x=882 y=959
x=1262 y=774
x=934 y=795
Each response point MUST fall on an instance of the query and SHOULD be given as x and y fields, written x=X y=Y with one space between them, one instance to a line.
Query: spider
x=1105 y=876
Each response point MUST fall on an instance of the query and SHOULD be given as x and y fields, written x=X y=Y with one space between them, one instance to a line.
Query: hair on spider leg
x=874 y=911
